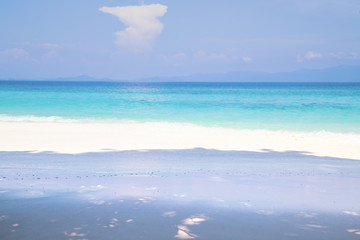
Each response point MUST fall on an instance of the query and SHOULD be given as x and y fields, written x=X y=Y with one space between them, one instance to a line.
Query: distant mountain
x=335 y=74
x=81 y=78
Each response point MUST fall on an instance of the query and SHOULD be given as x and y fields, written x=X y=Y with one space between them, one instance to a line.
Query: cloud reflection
x=184 y=233
x=308 y=215
x=90 y=188
x=353 y=213
x=169 y=214
x=355 y=231
x=194 y=220
x=74 y=234
x=312 y=226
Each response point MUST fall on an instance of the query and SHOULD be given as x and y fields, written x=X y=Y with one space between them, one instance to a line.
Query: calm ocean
x=274 y=106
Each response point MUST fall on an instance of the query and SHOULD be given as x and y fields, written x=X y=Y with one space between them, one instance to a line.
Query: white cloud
x=142 y=25
x=41 y=45
x=49 y=45
x=355 y=54
x=337 y=55
x=202 y=55
x=247 y=59
x=312 y=55
x=14 y=54
x=179 y=56
x=343 y=55
x=50 y=54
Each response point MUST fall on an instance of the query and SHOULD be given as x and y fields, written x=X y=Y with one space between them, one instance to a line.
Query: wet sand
x=67 y=217
x=178 y=194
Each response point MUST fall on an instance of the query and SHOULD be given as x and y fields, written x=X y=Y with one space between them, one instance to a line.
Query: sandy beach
x=173 y=120
x=185 y=161
x=75 y=137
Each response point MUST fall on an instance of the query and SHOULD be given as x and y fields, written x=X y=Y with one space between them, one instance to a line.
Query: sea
x=309 y=107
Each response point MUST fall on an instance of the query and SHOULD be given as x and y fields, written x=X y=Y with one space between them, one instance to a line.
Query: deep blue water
x=286 y=106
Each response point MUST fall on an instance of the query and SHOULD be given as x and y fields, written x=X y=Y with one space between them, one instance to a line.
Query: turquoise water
x=274 y=106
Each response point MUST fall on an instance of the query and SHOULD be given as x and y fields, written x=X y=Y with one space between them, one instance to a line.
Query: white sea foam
x=31 y=118
x=58 y=119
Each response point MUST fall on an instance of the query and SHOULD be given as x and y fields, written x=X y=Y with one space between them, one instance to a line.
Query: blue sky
x=134 y=39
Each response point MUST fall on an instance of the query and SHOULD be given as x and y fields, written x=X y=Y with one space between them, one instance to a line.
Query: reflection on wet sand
x=75 y=218
x=195 y=220
x=351 y=213
x=355 y=231
x=187 y=194
x=184 y=231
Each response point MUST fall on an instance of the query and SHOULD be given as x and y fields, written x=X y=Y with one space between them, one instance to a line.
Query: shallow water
x=273 y=106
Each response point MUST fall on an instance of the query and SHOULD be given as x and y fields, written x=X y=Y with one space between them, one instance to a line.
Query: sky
x=128 y=39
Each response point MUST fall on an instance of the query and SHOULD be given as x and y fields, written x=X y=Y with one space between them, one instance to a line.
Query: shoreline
x=285 y=127
x=192 y=194
x=76 y=137
x=274 y=181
